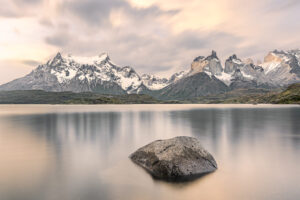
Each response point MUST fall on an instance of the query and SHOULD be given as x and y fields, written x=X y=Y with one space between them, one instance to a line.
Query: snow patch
x=208 y=73
x=64 y=75
x=270 y=66
x=100 y=67
x=181 y=74
x=156 y=86
x=238 y=62
x=154 y=83
x=225 y=78
x=247 y=75
x=86 y=60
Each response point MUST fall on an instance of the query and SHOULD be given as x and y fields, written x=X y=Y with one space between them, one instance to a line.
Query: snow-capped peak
x=68 y=68
x=68 y=59
x=66 y=72
x=88 y=60
x=235 y=60
x=153 y=82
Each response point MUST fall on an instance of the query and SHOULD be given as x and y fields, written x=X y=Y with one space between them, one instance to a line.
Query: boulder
x=177 y=158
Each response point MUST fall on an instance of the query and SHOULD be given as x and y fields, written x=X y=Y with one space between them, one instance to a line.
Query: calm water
x=81 y=152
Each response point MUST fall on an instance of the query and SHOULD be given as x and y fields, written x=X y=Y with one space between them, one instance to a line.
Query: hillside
x=42 y=97
x=206 y=76
x=290 y=95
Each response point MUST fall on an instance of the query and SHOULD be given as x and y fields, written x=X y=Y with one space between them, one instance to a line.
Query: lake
x=60 y=152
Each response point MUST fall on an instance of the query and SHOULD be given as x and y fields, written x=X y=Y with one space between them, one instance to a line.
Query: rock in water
x=179 y=157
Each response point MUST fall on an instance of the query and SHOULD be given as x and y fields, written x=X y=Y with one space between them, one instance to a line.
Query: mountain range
x=206 y=76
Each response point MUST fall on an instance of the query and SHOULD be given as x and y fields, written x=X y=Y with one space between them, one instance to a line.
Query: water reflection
x=84 y=155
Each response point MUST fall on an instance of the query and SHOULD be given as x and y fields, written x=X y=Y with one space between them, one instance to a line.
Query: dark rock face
x=233 y=63
x=295 y=65
x=211 y=65
x=179 y=157
x=199 y=84
x=213 y=55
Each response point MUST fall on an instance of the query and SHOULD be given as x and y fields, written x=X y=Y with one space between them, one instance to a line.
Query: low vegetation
x=290 y=95
x=42 y=97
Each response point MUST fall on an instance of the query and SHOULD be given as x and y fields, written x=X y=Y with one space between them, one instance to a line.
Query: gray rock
x=211 y=65
x=176 y=158
x=233 y=63
x=190 y=87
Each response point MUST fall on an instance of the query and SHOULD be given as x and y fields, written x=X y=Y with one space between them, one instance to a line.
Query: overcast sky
x=152 y=36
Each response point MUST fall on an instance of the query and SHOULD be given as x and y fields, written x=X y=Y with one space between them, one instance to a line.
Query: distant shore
x=289 y=96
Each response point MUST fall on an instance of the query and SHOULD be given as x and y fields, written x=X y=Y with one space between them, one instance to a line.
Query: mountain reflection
x=85 y=154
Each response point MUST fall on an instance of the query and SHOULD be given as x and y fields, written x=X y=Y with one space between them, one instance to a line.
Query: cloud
x=280 y=5
x=27 y=1
x=197 y=39
x=10 y=69
x=96 y=12
x=19 y=8
x=59 y=39
x=153 y=36
x=30 y=62
x=46 y=22
x=92 y=11
x=8 y=10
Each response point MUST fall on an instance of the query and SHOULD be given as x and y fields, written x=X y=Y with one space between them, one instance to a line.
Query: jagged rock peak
x=199 y=58
x=213 y=53
x=210 y=65
x=104 y=56
x=82 y=60
x=56 y=60
x=58 y=55
x=274 y=56
x=65 y=72
x=232 y=63
x=233 y=57
x=212 y=56
x=278 y=52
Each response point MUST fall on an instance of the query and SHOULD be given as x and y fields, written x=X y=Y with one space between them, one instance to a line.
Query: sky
x=152 y=36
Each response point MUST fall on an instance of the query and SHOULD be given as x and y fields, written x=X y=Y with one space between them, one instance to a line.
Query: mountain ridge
x=206 y=76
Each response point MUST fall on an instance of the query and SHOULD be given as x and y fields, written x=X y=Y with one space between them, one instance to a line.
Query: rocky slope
x=206 y=76
x=280 y=68
x=289 y=95
x=198 y=84
x=81 y=74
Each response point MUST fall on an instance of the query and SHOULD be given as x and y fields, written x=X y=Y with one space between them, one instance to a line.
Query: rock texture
x=199 y=84
x=206 y=76
x=179 y=157
x=211 y=65
x=88 y=74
